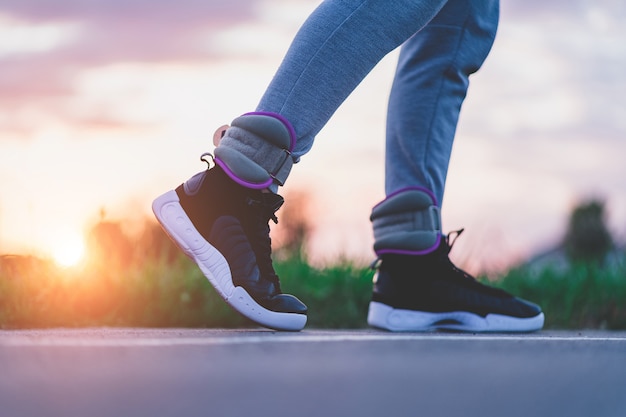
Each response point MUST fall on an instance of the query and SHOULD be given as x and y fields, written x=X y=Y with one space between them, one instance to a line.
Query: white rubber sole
x=214 y=266
x=385 y=317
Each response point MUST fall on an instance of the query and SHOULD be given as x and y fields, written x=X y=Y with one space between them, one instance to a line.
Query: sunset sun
x=69 y=252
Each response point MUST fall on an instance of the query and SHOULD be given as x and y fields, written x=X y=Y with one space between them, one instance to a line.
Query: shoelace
x=449 y=243
x=264 y=211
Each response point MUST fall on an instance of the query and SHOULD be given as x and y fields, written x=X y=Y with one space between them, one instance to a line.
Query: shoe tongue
x=265 y=205
x=444 y=247
x=272 y=201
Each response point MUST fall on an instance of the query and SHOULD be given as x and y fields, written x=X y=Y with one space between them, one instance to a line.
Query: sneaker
x=224 y=228
x=427 y=292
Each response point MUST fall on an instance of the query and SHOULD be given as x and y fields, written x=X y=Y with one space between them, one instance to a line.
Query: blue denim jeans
x=443 y=42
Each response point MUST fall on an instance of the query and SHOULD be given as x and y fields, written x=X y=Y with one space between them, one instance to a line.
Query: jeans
x=443 y=42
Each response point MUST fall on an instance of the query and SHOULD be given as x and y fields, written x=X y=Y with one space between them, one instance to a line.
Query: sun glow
x=69 y=252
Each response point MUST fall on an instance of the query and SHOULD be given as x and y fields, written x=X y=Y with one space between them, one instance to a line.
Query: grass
x=582 y=296
x=37 y=294
x=337 y=296
x=155 y=295
x=162 y=288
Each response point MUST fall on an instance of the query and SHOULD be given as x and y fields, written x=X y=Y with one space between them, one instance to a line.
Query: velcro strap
x=282 y=169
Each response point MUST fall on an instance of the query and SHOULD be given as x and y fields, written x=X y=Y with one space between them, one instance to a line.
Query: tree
x=588 y=237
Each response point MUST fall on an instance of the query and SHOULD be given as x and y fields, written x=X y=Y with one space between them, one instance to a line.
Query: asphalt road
x=185 y=372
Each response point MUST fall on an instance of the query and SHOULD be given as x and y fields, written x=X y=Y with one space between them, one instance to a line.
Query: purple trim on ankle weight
x=411 y=252
x=292 y=131
x=238 y=180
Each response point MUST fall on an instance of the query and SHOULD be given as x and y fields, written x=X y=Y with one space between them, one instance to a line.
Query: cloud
x=46 y=46
x=556 y=67
x=541 y=9
x=138 y=30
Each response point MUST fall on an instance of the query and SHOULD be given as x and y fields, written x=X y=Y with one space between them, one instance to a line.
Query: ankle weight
x=256 y=150
x=407 y=222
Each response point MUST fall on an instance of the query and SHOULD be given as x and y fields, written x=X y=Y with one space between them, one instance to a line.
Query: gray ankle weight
x=407 y=222
x=256 y=150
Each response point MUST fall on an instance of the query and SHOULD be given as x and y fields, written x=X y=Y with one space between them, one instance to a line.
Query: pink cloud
x=109 y=32
x=133 y=10
x=137 y=30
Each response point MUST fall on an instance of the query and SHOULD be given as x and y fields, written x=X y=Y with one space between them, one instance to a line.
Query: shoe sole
x=180 y=229
x=385 y=317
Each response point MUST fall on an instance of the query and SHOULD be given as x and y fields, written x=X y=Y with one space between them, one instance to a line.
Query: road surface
x=201 y=372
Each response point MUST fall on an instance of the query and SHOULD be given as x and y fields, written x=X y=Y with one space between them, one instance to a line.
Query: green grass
x=583 y=296
x=173 y=293
x=337 y=296
x=170 y=291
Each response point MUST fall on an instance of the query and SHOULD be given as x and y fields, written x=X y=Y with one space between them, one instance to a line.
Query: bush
x=583 y=296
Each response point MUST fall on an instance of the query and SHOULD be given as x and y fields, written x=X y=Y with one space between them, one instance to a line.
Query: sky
x=105 y=104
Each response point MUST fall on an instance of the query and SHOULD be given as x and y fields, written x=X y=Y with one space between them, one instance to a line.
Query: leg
x=429 y=87
x=334 y=50
x=416 y=287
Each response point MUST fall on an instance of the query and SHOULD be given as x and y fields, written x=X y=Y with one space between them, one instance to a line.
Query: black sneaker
x=424 y=293
x=224 y=228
